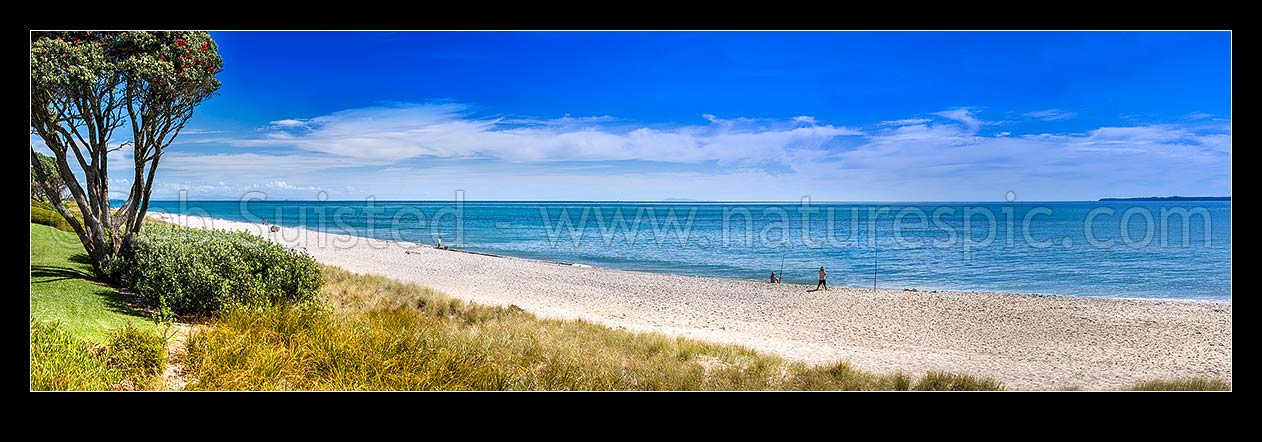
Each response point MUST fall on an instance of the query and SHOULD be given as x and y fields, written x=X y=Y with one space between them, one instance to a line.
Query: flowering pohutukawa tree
x=84 y=86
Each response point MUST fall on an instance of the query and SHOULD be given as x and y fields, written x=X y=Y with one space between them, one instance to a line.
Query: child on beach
x=774 y=278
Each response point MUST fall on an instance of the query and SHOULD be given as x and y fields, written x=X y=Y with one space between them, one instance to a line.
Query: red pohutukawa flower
x=205 y=46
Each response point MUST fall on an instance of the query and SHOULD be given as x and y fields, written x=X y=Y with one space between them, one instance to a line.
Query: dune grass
x=60 y=361
x=1183 y=384
x=62 y=288
x=139 y=354
x=381 y=334
x=131 y=359
x=942 y=381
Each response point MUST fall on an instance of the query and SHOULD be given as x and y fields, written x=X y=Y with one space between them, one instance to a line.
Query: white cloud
x=1136 y=135
x=288 y=123
x=390 y=134
x=937 y=164
x=1051 y=114
x=1217 y=142
x=281 y=185
x=805 y=119
x=430 y=151
x=171 y=189
x=962 y=115
x=565 y=120
x=255 y=163
x=1197 y=116
x=923 y=132
x=905 y=122
x=198 y=132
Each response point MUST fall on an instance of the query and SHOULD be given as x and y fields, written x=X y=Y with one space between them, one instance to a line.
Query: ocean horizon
x=1169 y=250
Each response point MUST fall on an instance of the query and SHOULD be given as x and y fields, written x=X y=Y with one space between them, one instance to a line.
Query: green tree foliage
x=48 y=167
x=84 y=86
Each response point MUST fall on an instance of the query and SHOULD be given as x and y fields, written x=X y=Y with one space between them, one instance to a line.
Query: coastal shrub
x=49 y=217
x=59 y=361
x=139 y=354
x=194 y=271
x=1184 y=384
x=41 y=204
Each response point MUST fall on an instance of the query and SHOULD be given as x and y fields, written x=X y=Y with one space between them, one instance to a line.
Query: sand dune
x=1026 y=341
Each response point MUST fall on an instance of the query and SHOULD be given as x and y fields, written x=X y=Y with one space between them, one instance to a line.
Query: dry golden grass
x=1184 y=384
x=380 y=334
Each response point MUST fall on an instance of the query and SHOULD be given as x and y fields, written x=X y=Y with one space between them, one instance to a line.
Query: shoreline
x=162 y=215
x=1027 y=341
x=908 y=289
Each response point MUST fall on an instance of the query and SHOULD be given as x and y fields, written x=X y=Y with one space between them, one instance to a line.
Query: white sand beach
x=1029 y=342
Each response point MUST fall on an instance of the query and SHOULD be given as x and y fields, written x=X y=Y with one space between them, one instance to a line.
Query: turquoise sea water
x=1117 y=249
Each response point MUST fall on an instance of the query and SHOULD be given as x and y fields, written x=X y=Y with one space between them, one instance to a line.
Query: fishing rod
x=875 y=248
x=782 y=266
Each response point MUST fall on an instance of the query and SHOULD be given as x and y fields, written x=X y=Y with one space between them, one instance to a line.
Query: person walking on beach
x=823 y=281
x=774 y=279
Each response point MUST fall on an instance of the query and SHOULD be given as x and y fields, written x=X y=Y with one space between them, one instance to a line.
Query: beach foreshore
x=1029 y=342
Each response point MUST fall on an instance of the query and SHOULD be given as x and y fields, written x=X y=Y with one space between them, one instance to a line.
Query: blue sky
x=711 y=116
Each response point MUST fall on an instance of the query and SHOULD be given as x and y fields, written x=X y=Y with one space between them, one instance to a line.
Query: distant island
x=1171 y=198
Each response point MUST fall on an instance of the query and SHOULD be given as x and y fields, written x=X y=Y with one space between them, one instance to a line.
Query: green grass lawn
x=62 y=289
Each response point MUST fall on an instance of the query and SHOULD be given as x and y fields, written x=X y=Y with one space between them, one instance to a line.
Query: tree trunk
x=91 y=245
